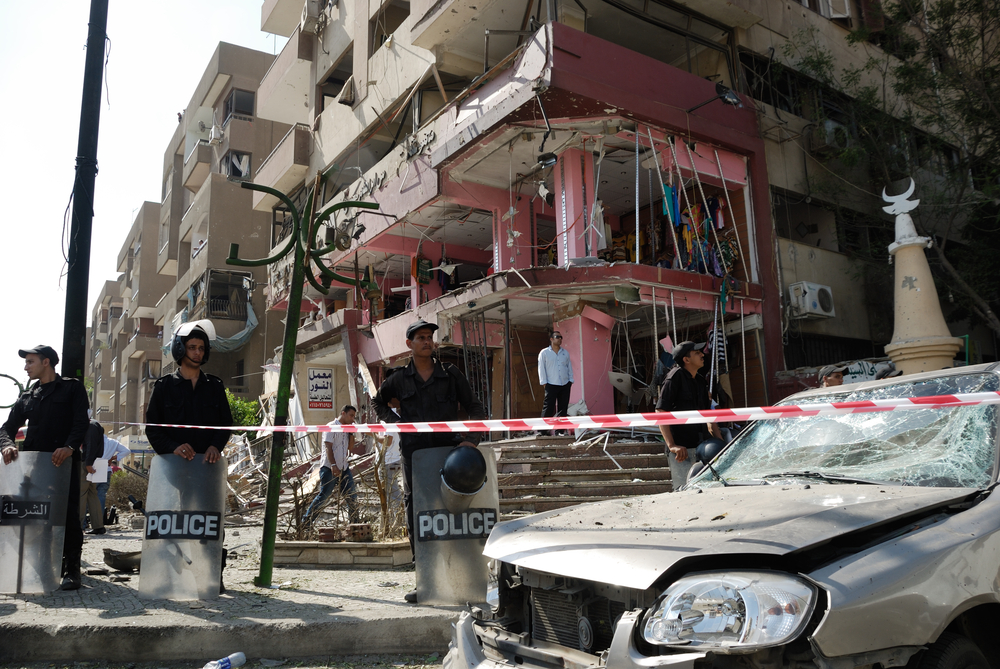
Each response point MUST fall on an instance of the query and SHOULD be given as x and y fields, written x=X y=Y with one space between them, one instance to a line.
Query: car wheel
x=951 y=651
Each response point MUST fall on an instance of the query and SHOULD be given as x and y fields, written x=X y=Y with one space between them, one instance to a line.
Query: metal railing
x=227 y=309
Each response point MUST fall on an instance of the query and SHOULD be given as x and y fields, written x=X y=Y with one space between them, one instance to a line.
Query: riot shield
x=33 y=499
x=448 y=545
x=182 y=543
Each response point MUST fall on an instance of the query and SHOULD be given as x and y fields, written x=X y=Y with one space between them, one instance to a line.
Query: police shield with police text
x=182 y=553
x=37 y=491
x=427 y=390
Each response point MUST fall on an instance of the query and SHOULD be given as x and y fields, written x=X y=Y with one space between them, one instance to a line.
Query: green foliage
x=244 y=411
x=122 y=484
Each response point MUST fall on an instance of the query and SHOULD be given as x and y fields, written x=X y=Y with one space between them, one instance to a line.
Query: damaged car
x=824 y=542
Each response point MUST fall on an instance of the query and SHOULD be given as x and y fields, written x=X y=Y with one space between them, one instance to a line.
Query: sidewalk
x=314 y=612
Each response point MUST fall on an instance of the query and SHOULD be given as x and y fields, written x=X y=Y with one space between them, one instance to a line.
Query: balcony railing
x=145 y=335
x=227 y=309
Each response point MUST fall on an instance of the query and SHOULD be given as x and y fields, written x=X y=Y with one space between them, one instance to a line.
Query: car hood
x=631 y=542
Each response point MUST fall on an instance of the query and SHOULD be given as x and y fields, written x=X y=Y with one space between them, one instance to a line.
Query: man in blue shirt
x=555 y=373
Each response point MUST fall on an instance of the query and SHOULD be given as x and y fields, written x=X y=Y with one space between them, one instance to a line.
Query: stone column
x=921 y=341
x=586 y=335
x=574 y=191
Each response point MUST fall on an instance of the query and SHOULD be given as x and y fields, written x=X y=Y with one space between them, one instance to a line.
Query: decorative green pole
x=301 y=238
x=20 y=390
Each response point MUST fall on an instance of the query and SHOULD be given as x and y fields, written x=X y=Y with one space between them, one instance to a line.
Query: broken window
x=952 y=447
x=238 y=103
x=390 y=17
x=667 y=32
x=225 y=298
x=235 y=164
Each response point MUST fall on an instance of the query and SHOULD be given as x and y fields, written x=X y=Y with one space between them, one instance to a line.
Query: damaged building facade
x=172 y=259
x=594 y=174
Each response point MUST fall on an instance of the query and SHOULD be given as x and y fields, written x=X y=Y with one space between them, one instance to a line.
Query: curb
x=429 y=631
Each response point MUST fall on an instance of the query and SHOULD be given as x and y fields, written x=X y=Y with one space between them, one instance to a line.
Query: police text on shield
x=440 y=524
x=183 y=525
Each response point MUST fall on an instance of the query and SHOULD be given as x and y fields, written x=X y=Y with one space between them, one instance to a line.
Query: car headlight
x=738 y=611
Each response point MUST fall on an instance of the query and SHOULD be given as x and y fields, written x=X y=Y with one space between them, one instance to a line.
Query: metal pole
x=637 y=194
x=507 y=384
x=74 y=348
x=281 y=405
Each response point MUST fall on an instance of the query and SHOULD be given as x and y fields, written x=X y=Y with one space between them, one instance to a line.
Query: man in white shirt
x=93 y=494
x=334 y=470
x=555 y=373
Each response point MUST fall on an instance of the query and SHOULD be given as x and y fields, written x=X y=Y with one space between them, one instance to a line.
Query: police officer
x=428 y=390
x=56 y=410
x=189 y=396
x=685 y=390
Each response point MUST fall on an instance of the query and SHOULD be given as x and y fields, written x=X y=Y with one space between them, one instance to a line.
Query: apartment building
x=172 y=260
x=620 y=171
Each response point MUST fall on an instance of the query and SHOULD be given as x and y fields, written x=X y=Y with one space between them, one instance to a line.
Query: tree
x=244 y=411
x=925 y=101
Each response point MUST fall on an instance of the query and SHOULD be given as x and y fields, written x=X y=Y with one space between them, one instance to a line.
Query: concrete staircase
x=545 y=472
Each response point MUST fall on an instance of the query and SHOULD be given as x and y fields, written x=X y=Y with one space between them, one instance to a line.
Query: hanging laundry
x=713 y=210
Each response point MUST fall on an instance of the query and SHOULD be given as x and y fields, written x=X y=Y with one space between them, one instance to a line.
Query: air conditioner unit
x=310 y=17
x=810 y=300
x=830 y=136
x=215 y=136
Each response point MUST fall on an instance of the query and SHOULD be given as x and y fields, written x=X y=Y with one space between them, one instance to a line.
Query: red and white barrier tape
x=635 y=419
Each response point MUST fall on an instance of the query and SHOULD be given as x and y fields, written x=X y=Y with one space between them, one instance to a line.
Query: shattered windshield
x=921 y=447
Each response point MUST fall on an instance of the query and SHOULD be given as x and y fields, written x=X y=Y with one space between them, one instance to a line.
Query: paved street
x=429 y=661
x=314 y=612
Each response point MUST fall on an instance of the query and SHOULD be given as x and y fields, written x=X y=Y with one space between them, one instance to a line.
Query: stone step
x=585 y=489
x=566 y=451
x=542 y=477
x=583 y=463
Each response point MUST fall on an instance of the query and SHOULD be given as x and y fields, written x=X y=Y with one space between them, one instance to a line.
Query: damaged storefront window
x=952 y=447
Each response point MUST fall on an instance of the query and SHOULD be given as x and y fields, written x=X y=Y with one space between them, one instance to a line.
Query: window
x=239 y=380
x=235 y=164
x=772 y=83
x=392 y=15
x=238 y=102
x=667 y=32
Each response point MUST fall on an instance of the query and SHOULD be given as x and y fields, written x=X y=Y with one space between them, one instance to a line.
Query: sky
x=158 y=52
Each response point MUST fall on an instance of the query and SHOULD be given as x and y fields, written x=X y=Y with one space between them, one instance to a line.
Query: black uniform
x=173 y=400
x=57 y=416
x=682 y=392
x=434 y=400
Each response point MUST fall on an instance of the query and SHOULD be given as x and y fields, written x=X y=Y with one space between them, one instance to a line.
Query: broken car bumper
x=480 y=646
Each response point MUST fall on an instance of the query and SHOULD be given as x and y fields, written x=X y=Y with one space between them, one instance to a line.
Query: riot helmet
x=202 y=329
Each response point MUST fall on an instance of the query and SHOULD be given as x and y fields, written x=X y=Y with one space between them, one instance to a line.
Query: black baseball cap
x=830 y=369
x=684 y=349
x=42 y=350
x=419 y=325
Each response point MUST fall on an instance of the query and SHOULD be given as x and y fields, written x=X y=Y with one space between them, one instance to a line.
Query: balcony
x=197 y=166
x=280 y=17
x=283 y=94
x=285 y=168
x=141 y=344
